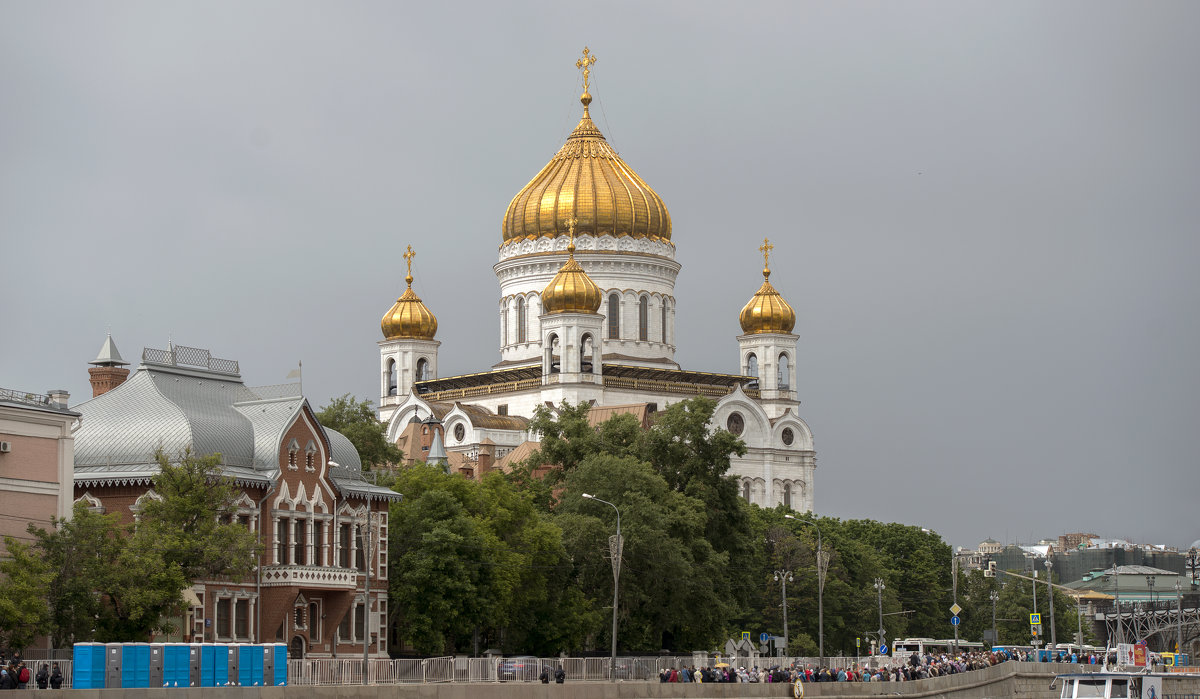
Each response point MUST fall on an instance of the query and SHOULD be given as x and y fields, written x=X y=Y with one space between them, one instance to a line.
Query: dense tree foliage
x=356 y=420
x=24 y=578
x=103 y=579
x=478 y=562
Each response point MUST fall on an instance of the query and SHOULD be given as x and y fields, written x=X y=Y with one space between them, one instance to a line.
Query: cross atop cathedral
x=766 y=249
x=585 y=65
x=408 y=257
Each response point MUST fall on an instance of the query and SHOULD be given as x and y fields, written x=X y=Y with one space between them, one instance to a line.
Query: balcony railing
x=310 y=576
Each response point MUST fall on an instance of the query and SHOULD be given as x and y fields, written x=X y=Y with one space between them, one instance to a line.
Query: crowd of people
x=16 y=674
x=916 y=667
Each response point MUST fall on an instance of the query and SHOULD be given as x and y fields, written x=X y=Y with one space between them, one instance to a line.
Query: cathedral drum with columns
x=587 y=314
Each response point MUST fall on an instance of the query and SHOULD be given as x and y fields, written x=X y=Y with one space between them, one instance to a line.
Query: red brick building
x=322 y=525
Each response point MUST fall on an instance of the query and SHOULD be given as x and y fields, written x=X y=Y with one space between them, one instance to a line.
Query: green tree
x=106 y=585
x=24 y=610
x=474 y=558
x=674 y=592
x=356 y=420
x=193 y=524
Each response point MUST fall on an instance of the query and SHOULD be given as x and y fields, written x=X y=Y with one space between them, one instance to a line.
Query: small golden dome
x=408 y=317
x=571 y=290
x=767 y=312
x=588 y=181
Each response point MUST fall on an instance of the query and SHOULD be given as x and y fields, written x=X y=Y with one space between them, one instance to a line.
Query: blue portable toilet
x=175 y=665
x=279 y=650
x=135 y=665
x=208 y=665
x=87 y=670
x=250 y=665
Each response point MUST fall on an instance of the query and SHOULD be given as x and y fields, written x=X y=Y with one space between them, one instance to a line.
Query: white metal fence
x=326 y=671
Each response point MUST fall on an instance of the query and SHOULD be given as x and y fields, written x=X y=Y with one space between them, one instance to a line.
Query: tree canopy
x=356 y=420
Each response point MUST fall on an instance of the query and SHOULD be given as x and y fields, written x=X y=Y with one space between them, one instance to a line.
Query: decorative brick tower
x=109 y=370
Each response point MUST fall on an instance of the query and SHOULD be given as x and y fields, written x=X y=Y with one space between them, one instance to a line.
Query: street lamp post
x=1150 y=586
x=1050 y=591
x=784 y=577
x=1178 y=616
x=879 y=586
x=616 y=559
x=820 y=589
x=369 y=539
x=994 y=596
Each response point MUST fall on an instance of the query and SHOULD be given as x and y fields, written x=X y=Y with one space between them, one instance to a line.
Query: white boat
x=1119 y=685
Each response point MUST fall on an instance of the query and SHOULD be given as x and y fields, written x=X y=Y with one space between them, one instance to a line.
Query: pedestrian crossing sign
x=1035 y=619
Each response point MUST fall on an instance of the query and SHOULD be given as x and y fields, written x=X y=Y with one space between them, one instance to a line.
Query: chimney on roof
x=109 y=370
x=58 y=398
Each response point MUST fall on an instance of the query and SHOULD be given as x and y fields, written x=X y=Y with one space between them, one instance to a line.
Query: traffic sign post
x=1035 y=619
x=883 y=649
x=764 y=637
x=955 y=621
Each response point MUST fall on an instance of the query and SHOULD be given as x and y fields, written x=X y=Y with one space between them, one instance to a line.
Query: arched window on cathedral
x=504 y=327
x=393 y=387
x=783 y=371
x=555 y=351
x=746 y=490
x=752 y=365
x=787 y=495
x=422 y=369
x=663 y=308
x=614 y=317
x=643 y=318
x=520 y=320
x=586 y=354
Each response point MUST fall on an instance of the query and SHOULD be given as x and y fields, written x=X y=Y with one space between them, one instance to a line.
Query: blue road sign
x=764 y=637
x=883 y=649
x=955 y=621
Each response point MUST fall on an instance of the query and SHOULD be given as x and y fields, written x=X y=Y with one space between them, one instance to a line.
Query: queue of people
x=16 y=674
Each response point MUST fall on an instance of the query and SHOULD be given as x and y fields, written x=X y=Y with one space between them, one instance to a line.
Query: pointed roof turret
x=767 y=312
x=109 y=356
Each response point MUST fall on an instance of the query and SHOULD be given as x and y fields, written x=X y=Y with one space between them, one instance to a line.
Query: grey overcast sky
x=985 y=214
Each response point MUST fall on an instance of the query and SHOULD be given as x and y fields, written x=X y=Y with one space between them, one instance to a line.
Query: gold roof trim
x=409 y=318
x=767 y=312
x=587 y=180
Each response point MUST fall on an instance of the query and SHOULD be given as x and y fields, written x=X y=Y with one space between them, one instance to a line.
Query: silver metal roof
x=175 y=402
x=108 y=354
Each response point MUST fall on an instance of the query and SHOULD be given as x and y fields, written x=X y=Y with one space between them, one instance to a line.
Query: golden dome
x=767 y=312
x=408 y=317
x=571 y=290
x=588 y=181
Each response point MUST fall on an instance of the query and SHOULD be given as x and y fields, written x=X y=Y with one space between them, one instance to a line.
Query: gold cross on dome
x=585 y=65
x=408 y=257
x=766 y=249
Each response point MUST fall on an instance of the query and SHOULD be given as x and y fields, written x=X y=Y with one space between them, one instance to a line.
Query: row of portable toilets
x=113 y=665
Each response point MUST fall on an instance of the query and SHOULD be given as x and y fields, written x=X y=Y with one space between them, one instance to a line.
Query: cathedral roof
x=767 y=312
x=409 y=317
x=588 y=181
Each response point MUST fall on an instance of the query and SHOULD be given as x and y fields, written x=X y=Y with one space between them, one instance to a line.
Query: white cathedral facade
x=587 y=314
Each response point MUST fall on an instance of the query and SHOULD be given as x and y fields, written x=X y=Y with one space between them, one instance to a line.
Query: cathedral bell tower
x=571 y=327
x=408 y=352
x=768 y=347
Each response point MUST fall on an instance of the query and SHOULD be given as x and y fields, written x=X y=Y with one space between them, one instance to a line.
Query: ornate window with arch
x=393 y=387
x=746 y=490
x=751 y=365
x=310 y=455
x=614 y=316
x=422 y=369
x=643 y=318
x=787 y=495
x=784 y=373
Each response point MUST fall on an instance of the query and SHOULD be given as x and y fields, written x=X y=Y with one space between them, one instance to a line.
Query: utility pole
x=1178 y=616
x=369 y=538
x=822 y=567
x=954 y=575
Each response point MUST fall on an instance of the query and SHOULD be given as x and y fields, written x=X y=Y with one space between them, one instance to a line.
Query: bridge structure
x=1159 y=623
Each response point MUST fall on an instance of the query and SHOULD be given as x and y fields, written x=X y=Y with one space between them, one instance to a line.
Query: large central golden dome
x=587 y=180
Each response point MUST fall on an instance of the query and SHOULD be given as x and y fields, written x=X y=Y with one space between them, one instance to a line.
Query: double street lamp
x=820 y=591
x=1050 y=591
x=879 y=586
x=994 y=596
x=784 y=577
x=615 y=550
